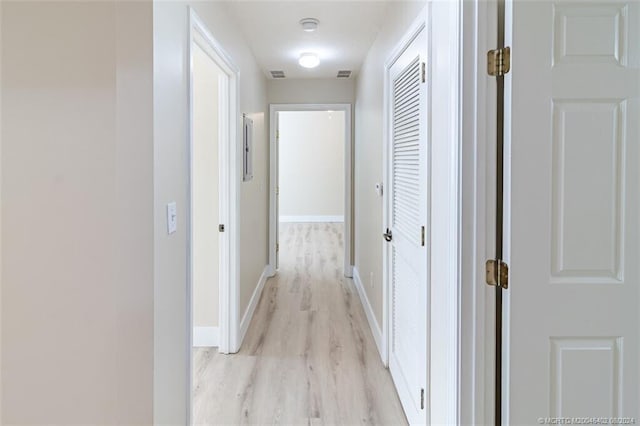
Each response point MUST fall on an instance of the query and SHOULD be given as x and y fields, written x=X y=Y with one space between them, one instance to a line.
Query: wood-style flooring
x=309 y=357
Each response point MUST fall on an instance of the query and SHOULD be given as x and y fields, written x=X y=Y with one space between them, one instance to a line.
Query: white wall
x=77 y=203
x=1 y=174
x=315 y=91
x=170 y=21
x=369 y=148
x=205 y=183
x=311 y=165
x=311 y=91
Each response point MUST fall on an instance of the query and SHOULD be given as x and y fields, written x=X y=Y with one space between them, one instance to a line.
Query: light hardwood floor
x=309 y=357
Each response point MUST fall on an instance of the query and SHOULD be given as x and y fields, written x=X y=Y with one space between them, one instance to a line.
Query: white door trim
x=478 y=221
x=206 y=337
x=274 y=109
x=229 y=129
x=443 y=22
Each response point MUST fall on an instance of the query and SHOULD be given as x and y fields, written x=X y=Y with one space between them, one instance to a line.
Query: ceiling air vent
x=344 y=74
x=277 y=74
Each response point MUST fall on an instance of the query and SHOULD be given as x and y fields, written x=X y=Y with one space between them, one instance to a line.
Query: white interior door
x=574 y=232
x=408 y=216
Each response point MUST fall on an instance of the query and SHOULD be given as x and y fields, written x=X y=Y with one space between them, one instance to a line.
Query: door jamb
x=479 y=25
x=229 y=124
x=274 y=109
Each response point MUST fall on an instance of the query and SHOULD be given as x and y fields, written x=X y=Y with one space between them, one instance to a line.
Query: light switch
x=172 y=217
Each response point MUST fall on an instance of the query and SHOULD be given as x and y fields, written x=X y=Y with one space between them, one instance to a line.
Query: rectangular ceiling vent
x=344 y=74
x=277 y=74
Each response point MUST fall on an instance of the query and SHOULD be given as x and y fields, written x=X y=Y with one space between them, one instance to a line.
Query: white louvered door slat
x=406 y=156
x=408 y=213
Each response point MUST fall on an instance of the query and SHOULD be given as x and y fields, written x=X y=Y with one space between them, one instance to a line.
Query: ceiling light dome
x=309 y=60
x=309 y=24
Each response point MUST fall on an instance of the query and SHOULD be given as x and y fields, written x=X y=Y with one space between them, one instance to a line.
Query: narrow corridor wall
x=369 y=148
x=311 y=91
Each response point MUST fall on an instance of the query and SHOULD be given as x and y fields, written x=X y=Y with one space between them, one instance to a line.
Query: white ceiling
x=345 y=33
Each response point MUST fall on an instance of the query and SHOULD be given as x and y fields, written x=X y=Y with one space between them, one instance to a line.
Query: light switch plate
x=172 y=217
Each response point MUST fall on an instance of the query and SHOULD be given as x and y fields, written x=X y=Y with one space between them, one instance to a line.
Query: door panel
x=408 y=214
x=574 y=324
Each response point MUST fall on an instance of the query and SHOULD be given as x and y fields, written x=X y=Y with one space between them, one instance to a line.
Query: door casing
x=274 y=109
x=229 y=153
x=479 y=20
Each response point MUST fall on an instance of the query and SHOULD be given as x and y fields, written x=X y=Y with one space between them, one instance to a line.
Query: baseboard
x=206 y=337
x=271 y=271
x=309 y=219
x=255 y=298
x=368 y=310
x=348 y=271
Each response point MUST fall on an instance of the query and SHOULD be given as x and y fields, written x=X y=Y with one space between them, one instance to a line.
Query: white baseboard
x=371 y=318
x=271 y=271
x=206 y=337
x=255 y=298
x=339 y=218
x=348 y=271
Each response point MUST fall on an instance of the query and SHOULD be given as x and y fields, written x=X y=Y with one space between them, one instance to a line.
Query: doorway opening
x=311 y=173
x=207 y=80
x=212 y=216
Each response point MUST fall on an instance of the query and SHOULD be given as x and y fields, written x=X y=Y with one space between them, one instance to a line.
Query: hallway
x=309 y=357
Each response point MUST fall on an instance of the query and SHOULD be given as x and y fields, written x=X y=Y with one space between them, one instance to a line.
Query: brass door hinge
x=499 y=61
x=422 y=399
x=497 y=273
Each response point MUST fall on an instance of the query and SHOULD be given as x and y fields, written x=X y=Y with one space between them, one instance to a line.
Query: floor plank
x=309 y=357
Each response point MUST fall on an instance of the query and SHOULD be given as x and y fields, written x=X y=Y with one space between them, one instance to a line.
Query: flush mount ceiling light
x=309 y=24
x=309 y=60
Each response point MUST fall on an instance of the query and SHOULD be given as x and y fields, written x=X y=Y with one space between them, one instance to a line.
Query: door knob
x=388 y=236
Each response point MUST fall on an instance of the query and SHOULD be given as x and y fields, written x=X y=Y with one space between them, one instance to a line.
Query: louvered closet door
x=408 y=214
